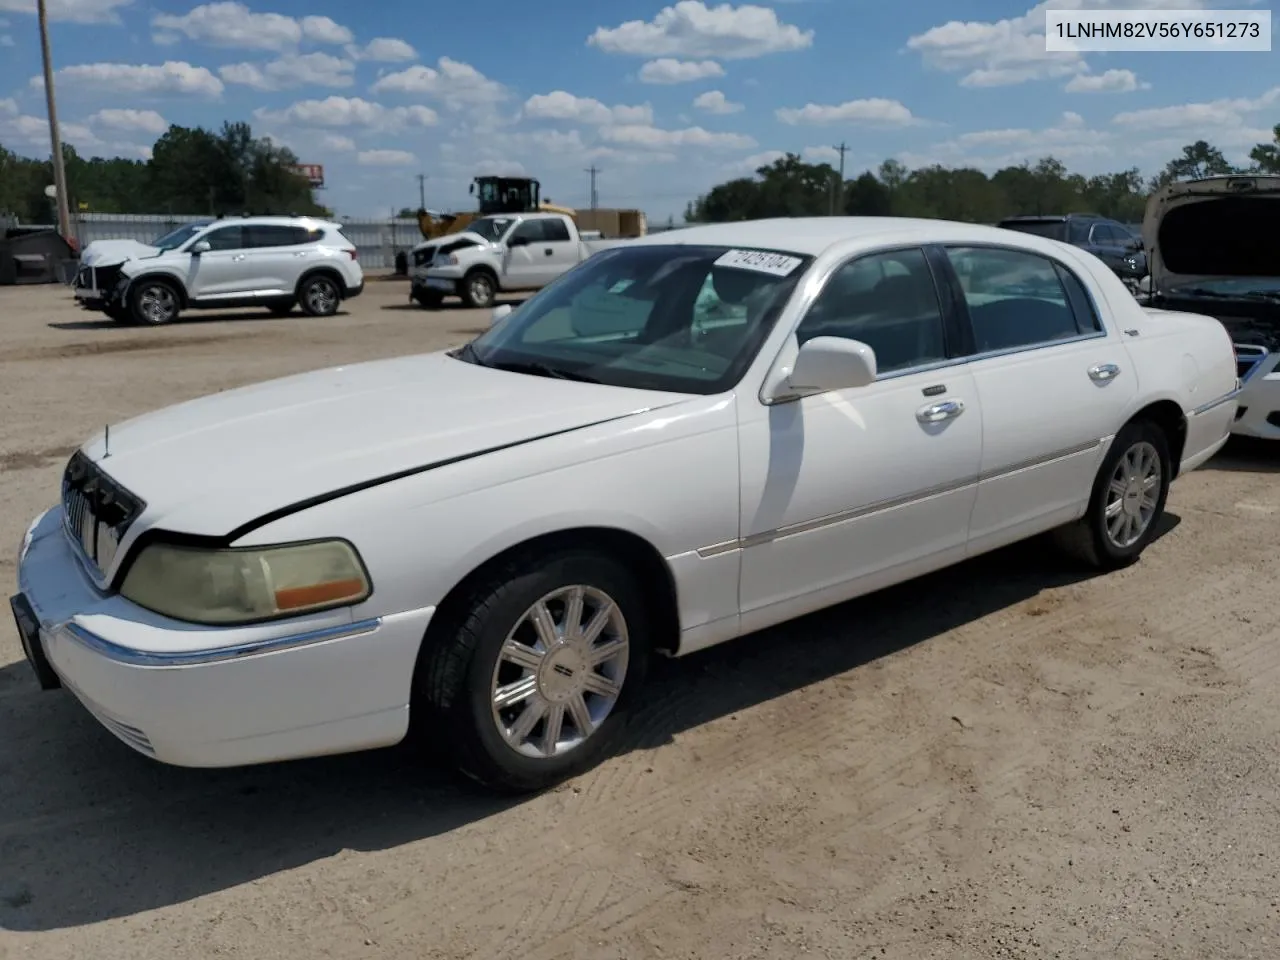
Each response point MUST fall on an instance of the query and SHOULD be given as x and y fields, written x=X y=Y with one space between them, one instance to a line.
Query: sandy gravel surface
x=1005 y=760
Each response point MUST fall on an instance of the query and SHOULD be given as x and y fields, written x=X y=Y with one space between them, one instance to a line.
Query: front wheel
x=153 y=303
x=319 y=296
x=479 y=290
x=1127 y=502
x=531 y=682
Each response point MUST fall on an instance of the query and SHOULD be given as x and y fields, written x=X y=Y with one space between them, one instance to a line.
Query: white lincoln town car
x=686 y=438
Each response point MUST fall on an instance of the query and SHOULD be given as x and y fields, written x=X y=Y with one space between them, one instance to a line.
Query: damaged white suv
x=272 y=262
x=1211 y=249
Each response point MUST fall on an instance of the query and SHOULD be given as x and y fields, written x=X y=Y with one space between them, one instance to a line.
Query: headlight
x=247 y=584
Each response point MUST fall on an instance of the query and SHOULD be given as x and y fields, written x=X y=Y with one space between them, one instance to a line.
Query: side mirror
x=499 y=314
x=201 y=246
x=833 y=363
x=1144 y=285
x=518 y=241
x=471 y=188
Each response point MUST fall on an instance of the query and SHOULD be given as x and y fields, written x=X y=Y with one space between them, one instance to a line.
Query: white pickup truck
x=505 y=252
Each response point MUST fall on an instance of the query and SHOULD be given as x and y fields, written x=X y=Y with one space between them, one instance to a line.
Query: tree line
x=191 y=170
x=790 y=187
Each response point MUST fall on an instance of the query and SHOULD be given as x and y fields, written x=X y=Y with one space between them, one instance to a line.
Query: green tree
x=1199 y=159
x=1266 y=156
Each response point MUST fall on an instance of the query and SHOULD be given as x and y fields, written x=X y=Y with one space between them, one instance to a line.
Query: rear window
x=1049 y=229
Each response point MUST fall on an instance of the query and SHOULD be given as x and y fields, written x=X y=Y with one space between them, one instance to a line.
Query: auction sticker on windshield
x=776 y=264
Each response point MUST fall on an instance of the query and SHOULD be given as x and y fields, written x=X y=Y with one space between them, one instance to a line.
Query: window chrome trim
x=881 y=506
x=188 y=658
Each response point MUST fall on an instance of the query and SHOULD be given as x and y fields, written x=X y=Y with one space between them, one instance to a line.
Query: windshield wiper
x=542 y=370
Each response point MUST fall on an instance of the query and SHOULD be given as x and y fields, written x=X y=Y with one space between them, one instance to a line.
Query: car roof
x=277 y=221
x=813 y=236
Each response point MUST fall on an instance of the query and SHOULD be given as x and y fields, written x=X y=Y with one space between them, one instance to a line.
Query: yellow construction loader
x=522 y=195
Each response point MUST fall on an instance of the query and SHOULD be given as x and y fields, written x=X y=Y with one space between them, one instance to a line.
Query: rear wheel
x=1127 y=502
x=531 y=681
x=319 y=296
x=154 y=302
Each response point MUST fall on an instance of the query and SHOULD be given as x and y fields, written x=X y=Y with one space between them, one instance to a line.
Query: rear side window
x=273 y=235
x=554 y=231
x=1017 y=299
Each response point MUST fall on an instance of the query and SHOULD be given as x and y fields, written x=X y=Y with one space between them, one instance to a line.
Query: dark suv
x=1108 y=240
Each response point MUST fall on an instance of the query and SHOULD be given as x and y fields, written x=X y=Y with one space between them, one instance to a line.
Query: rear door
x=1053 y=381
x=561 y=250
x=279 y=254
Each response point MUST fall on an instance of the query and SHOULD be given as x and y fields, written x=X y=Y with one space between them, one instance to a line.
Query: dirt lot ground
x=1003 y=760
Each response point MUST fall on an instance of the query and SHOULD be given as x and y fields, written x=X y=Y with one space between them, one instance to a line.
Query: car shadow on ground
x=91 y=831
x=192 y=317
x=451 y=305
x=1247 y=455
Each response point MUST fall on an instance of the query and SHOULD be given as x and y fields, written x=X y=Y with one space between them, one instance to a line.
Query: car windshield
x=1049 y=229
x=176 y=238
x=491 y=228
x=671 y=317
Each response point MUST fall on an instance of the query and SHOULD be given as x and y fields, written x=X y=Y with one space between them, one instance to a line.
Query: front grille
x=1248 y=358
x=97 y=510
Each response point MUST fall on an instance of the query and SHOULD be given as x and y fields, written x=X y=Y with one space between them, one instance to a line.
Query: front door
x=223 y=271
x=528 y=261
x=846 y=491
x=1054 y=385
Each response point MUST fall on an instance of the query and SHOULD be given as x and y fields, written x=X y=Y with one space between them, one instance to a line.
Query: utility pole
x=837 y=195
x=595 y=197
x=422 y=191
x=55 y=136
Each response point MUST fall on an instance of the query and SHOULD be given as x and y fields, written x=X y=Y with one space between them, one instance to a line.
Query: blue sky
x=666 y=100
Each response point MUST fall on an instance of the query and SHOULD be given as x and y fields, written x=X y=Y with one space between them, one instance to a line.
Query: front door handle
x=548 y=251
x=1103 y=372
x=239 y=256
x=940 y=411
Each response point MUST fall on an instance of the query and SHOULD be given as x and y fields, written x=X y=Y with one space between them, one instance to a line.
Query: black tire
x=458 y=669
x=282 y=309
x=319 y=295
x=154 y=302
x=479 y=289
x=1089 y=539
x=429 y=299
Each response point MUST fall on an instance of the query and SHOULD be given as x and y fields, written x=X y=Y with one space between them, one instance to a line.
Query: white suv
x=273 y=262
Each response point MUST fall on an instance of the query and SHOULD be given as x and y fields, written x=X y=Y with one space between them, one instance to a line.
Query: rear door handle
x=239 y=256
x=940 y=411
x=548 y=251
x=1103 y=372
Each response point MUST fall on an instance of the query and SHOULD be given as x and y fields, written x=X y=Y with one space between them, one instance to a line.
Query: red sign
x=314 y=172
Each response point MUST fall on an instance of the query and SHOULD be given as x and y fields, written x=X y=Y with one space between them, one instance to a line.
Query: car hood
x=102 y=253
x=1211 y=229
x=209 y=466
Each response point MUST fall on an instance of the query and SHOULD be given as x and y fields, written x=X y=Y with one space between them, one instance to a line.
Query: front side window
x=176 y=238
x=887 y=301
x=555 y=230
x=1015 y=299
x=226 y=238
x=679 y=318
x=490 y=228
x=530 y=231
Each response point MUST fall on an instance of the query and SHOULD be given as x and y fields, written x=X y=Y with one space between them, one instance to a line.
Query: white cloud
x=325 y=30
x=6 y=40
x=127 y=120
x=34 y=132
x=71 y=11
x=713 y=101
x=875 y=111
x=385 y=158
x=1200 y=118
x=995 y=53
x=1109 y=81
x=292 y=70
x=452 y=81
x=561 y=105
x=232 y=24
x=172 y=76
x=337 y=142
x=668 y=70
x=749 y=165
x=383 y=50
x=1069 y=139
x=9 y=106
x=691 y=29
x=349 y=112
x=653 y=138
